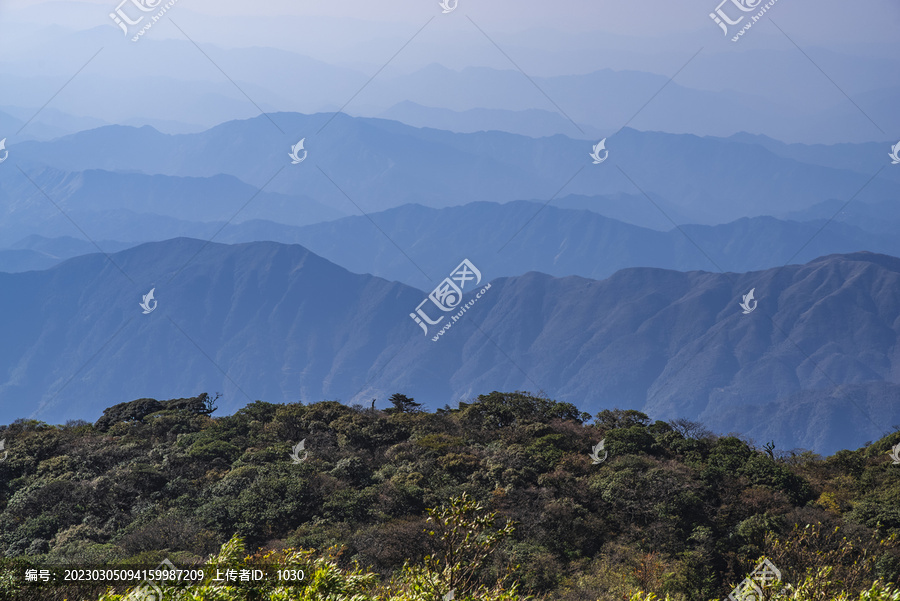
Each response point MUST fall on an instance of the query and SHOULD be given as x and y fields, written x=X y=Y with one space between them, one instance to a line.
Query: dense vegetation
x=497 y=499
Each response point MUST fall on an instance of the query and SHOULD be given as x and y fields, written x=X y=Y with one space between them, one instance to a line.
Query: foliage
x=813 y=588
x=141 y=408
x=673 y=510
x=847 y=555
x=467 y=539
x=404 y=404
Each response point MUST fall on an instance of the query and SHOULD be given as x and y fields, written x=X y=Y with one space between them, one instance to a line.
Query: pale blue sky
x=43 y=43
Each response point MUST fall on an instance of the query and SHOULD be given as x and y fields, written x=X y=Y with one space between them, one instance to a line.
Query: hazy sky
x=814 y=21
x=43 y=43
x=550 y=38
x=830 y=17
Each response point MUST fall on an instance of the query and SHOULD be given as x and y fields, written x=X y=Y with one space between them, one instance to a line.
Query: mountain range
x=408 y=244
x=279 y=323
x=34 y=252
x=131 y=206
x=369 y=165
x=616 y=80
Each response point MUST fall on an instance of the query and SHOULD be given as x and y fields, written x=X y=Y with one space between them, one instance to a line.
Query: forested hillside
x=373 y=496
x=278 y=322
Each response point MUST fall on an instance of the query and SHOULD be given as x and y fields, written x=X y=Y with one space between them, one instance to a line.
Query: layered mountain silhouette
x=814 y=365
x=46 y=200
x=38 y=252
x=409 y=243
x=174 y=86
x=535 y=123
x=879 y=218
x=361 y=164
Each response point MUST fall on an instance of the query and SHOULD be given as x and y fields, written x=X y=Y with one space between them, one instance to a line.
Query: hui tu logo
x=595 y=454
x=148 y=590
x=296 y=159
x=598 y=148
x=125 y=21
x=146 y=303
x=895 y=453
x=3 y=450
x=895 y=153
x=448 y=5
x=448 y=296
x=748 y=304
x=300 y=448
x=4 y=153
x=751 y=588
x=723 y=20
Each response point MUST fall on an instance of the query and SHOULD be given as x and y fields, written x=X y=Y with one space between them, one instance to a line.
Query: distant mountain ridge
x=604 y=98
x=409 y=243
x=34 y=253
x=517 y=237
x=279 y=323
x=534 y=123
x=376 y=164
x=37 y=206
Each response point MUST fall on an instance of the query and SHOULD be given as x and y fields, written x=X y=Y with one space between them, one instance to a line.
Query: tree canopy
x=671 y=510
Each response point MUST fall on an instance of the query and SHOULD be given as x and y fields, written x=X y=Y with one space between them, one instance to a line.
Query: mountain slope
x=37 y=206
x=506 y=240
x=534 y=123
x=381 y=164
x=877 y=217
x=517 y=237
x=275 y=322
x=36 y=252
